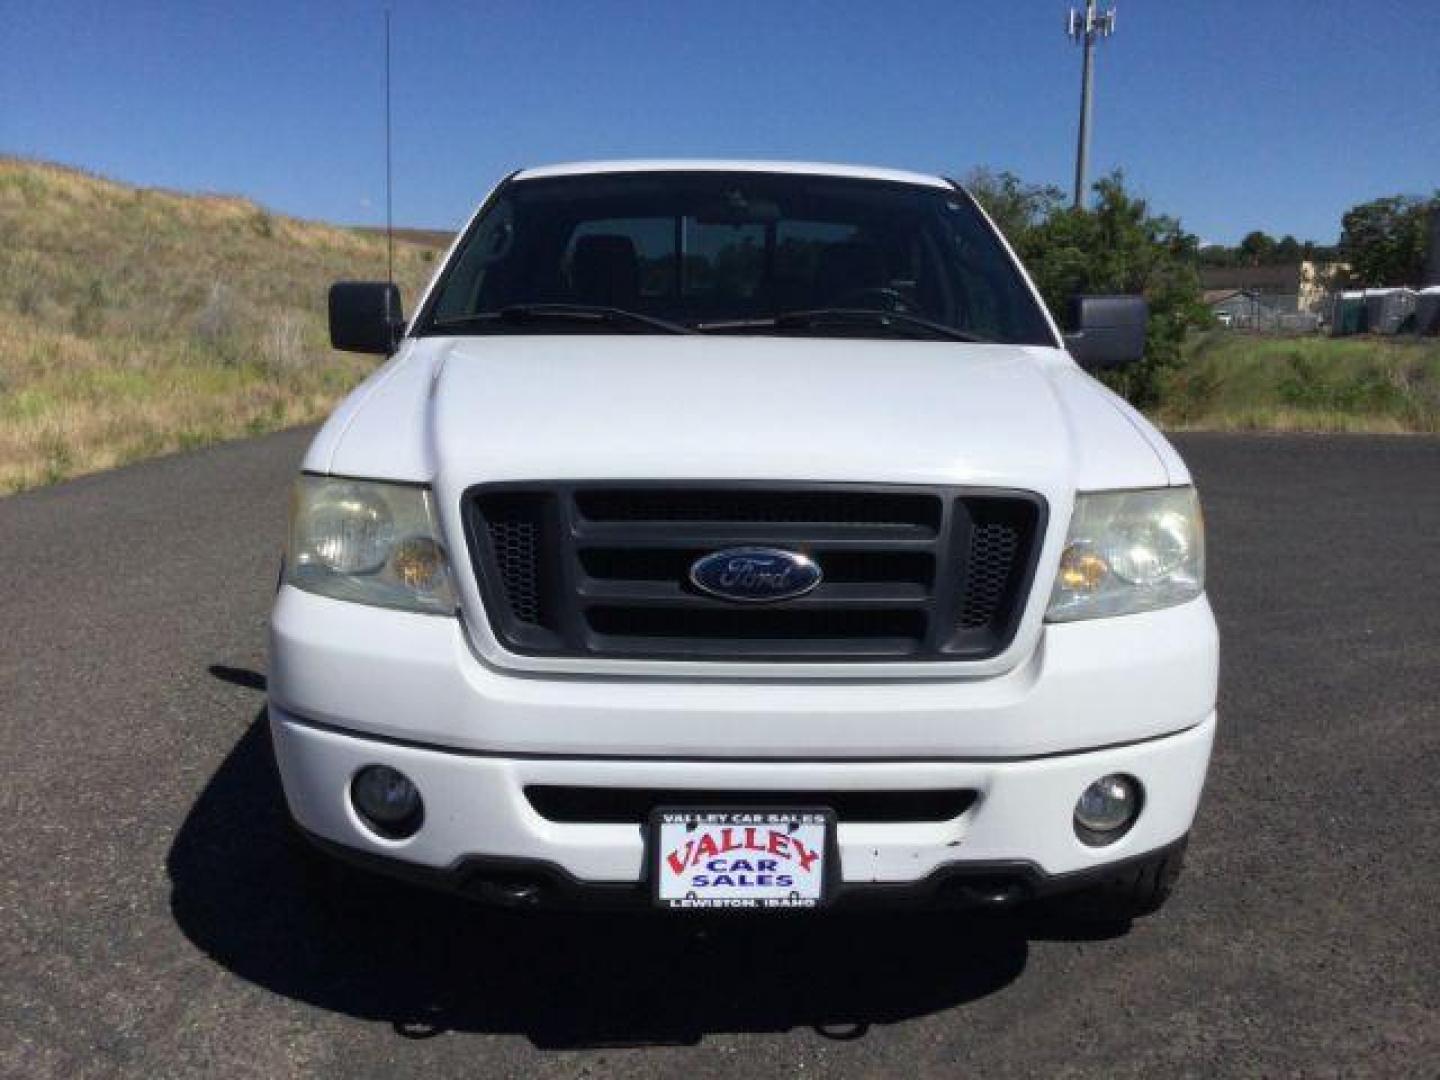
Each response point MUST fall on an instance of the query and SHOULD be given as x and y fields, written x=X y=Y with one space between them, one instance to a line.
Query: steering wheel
x=876 y=297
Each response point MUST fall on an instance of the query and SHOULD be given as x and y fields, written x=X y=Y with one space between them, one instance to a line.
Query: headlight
x=1130 y=551
x=369 y=542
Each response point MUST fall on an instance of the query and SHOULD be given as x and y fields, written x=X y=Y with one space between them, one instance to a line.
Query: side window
x=651 y=239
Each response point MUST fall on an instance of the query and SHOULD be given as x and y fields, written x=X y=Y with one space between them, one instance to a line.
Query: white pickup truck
x=743 y=535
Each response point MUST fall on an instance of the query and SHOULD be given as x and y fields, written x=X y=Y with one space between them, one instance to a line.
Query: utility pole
x=1085 y=27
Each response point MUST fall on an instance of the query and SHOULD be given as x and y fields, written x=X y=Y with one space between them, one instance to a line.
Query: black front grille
x=600 y=570
x=515 y=526
x=901 y=510
x=996 y=535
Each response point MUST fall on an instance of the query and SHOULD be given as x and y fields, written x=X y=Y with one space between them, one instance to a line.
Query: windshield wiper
x=790 y=320
x=520 y=314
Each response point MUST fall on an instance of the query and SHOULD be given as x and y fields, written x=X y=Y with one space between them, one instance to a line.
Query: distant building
x=1248 y=309
x=1318 y=280
x=1276 y=287
x=1284 y=289
x=1291 y=297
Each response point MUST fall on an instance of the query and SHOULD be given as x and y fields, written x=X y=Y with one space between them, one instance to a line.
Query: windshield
x=743 y=252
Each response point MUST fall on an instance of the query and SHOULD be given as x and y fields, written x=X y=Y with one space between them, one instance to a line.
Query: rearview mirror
x=1107 y=331
x=366 y=317
x=736 y=208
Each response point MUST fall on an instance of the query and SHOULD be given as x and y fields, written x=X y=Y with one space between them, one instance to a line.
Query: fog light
x=387 y=801
x=1107 y=809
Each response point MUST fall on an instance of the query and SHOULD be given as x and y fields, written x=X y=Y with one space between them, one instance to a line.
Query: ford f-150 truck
x=743 y=535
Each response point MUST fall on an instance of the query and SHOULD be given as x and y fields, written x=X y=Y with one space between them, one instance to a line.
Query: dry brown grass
x=135 y=321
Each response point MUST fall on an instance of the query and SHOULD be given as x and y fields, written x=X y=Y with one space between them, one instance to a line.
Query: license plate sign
x=713 y=857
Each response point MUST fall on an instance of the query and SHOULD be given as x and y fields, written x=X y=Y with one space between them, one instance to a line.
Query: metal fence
x=1266 y=313
x=1393 y=311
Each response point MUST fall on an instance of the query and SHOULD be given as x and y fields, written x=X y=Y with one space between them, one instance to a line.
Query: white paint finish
x=415 y=677
x=524 y=407
x=1105 y=428
x=662 y=407
x=801 y=168
x=386 y=435
x=476 y=805
x=1174 y=465
x=320 y=456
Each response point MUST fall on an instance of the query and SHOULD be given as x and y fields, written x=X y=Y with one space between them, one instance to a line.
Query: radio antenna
x=389 y=219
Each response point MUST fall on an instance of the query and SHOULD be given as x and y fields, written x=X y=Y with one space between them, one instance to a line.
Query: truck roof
x=859 y=172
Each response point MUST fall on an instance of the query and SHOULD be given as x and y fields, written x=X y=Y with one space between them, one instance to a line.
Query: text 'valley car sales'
x=741 y=859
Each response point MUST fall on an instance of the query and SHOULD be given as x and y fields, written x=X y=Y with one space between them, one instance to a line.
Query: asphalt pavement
x=156 y=924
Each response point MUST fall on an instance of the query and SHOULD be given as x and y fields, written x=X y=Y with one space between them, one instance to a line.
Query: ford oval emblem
x=755 y=574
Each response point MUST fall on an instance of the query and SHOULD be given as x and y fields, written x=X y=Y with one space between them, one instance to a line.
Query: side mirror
x=1107 y=331
x=366 y=317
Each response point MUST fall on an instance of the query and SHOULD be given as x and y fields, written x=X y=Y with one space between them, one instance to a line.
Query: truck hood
x=459 y=411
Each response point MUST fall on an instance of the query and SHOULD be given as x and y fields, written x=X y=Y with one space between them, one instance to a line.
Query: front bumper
x=352 y=685
x=476 y=810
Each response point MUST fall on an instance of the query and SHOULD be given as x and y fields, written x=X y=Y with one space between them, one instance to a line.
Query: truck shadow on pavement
x=428 y=963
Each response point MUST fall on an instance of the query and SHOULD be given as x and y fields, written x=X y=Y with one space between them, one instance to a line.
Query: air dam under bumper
x=476 y=808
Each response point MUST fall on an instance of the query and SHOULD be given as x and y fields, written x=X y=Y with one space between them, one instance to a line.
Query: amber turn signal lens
x=418 y=563
x=1081 y=570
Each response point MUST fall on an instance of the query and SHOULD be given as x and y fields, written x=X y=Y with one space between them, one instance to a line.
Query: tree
x=1015 y=206
x=1219 y=255
x=1118 y=246
x=1260 y=249
x=1384 y=240
x=1257 y=248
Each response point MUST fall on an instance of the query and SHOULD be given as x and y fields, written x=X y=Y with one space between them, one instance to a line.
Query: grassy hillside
x=136 y=321
x=1239 y=382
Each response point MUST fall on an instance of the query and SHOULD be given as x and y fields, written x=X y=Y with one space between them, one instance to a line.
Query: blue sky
x=1274 y=114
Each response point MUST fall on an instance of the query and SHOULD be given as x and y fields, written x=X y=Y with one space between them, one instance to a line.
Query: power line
x=1086 y=27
